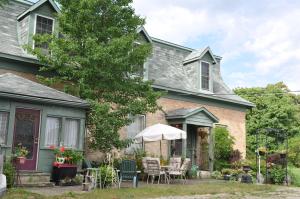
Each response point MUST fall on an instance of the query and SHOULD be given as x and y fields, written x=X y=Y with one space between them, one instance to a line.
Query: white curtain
x=71 y=133
x=133 y=129
x=3 y=127
x=52 y=131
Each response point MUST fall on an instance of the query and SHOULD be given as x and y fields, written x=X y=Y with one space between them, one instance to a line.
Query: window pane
x=3 y=127
x=133 y=129
x=52 y=131
x=71 y=133
x=43 y=26
x=204 y=75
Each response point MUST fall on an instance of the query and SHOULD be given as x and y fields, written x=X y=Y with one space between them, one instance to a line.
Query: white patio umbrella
x=160 y=132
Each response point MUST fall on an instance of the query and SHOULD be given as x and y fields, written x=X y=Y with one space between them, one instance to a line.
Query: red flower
x=52 y=147
x=62 y=149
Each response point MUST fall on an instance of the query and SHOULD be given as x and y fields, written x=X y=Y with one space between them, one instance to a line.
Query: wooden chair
x=128 y=172
x=153 y=168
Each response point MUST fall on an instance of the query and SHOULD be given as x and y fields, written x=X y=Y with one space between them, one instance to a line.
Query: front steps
x=35 y=179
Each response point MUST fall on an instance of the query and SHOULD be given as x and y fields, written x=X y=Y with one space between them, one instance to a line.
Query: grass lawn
x=295 y=174
x=151 y=191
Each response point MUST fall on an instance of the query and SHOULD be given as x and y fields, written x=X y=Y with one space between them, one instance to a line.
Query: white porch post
x=184 y=128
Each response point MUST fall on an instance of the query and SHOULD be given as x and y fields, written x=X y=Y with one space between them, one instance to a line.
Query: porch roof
x=197 y=116
x=19 y=88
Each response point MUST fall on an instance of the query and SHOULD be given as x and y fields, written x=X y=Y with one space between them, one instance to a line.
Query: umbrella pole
x=160 y=148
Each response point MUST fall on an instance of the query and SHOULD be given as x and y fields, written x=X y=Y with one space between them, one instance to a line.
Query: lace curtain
x=71 y=131
x=3 y=127
x=52 y=131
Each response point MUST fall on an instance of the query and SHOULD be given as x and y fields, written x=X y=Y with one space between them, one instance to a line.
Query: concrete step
x=35 y=179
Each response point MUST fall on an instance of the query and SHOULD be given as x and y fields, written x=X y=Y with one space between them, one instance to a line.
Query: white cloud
x=263 y=35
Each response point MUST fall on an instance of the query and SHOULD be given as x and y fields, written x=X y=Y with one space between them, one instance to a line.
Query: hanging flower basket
x=262 y=151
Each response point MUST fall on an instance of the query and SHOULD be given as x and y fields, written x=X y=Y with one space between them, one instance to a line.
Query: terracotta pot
x=21 y=160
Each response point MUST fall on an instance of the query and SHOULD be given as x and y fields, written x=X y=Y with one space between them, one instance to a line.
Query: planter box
x=62 y=171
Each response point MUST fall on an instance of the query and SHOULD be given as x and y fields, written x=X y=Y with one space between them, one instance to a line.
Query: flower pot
x=62 y=171
x=21 y=160
x=226 y=177
x=246 y=168
x=261 y=153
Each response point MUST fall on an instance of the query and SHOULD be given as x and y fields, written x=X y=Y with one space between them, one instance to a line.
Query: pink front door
x=26 y=133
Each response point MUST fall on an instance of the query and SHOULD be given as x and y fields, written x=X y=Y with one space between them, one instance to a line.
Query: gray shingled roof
x=9 y=32
x=167 y=68
x=16 y=87
x=180 y=112
x=187 y=112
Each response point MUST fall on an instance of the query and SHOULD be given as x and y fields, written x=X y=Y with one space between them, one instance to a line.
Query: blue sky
x=258 y=40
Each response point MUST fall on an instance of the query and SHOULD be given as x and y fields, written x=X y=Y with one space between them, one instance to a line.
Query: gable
x=207 y=57
x=40 y=6
x=144 y=36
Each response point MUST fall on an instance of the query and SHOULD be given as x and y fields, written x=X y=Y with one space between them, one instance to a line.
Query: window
x=71 y=133
x=43 y=26
x=3 y=127
x=138 y=124
x=53 y=127
x=204 y=76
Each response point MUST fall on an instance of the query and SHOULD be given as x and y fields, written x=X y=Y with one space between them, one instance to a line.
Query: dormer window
x=44 y=25
x=205 y=76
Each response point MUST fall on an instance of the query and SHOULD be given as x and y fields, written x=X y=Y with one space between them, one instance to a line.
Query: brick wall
x=234 y=119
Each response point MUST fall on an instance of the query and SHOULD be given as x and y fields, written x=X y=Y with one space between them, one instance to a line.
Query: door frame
x=29 y=107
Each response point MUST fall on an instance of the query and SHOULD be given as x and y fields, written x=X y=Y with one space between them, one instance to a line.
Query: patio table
x=166 y=168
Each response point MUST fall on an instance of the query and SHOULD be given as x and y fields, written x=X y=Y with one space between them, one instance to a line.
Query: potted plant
x=246 y=165
x=20 y=153
x=262 y=151
x=226 y=174
x=65 y=165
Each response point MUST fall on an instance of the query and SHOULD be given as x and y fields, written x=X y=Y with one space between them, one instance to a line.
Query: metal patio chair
x=153 y=168
x=181 y=172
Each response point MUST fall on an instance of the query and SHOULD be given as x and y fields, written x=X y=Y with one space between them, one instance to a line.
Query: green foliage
x=72 y=156
x=277 y=174
x=223 y=147
x=138 y=155
x=217 y=175
x=96 y=57
x=20 y=151
x=227 y=171
x=9 y=172
x=275 y=108
x=295 y=175
x=294 y=151
x=108 y=175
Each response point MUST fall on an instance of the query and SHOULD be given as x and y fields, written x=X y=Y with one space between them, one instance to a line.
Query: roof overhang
x=197 y=116
x=143 y=31
x=198 y=57
x=37 y=5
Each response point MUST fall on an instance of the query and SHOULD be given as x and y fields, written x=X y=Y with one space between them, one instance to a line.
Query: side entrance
x=26 y=133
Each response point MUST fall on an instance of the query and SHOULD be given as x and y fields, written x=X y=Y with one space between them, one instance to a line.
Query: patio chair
x=181 y=172
x=153 y=168
x=174 y=164
x=144 y=164
x=128 y=172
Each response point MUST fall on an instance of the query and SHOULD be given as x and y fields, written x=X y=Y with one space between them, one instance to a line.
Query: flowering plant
x=21 y=151
x=67 y=156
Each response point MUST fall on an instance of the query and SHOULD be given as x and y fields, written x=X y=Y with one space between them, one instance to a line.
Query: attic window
x=44 y=25
x=205 y=76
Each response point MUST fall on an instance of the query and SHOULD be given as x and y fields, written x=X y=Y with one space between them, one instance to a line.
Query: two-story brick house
x=196 y=99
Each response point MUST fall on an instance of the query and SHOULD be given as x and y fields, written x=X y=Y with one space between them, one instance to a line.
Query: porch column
x=184 y=128
x=211 y=149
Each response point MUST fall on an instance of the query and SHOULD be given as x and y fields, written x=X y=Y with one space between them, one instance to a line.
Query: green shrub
x=295 y=175
x=217 y=175
x=138 y=156
x=277 y=174
x=108 y=175
x=223 y=148
x=9 y=172
x=227 y=171
x=294 y=151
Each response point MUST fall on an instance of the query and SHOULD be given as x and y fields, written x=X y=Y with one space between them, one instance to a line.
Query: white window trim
x=210 y=83
x=34 y=27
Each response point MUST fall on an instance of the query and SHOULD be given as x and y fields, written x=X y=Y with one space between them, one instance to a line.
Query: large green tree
x=95 y=54
x=275 y=107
